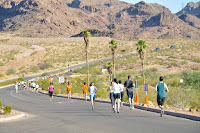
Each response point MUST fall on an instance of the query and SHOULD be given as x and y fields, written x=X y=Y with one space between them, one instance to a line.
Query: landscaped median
x=8 y=114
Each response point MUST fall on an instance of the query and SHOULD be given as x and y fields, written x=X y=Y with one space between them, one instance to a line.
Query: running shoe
x=132 y=108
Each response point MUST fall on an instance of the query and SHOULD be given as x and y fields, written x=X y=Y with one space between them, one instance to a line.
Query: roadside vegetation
x=5 y=110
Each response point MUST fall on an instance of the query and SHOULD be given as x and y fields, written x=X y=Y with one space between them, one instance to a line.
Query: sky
x=173 y=5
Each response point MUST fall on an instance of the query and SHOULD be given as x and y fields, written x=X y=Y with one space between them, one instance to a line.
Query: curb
x=6 y=86
x=12 y=117
x=180 y=115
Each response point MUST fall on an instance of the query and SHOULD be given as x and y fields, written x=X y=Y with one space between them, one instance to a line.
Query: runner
x=110 y=89
x=92 y=90
x=85 y=88
x=33 y=86
x=19 y=85
x=36 y=87
x=30 y=84
x=121 y=86
x=51 y=88
x=161 y=87
x=116 y=95
x=22 y=85
x=69 y=90
x=16 y=87
x=129 y=90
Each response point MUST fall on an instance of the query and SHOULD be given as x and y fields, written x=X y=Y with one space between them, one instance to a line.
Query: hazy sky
x=173 y=5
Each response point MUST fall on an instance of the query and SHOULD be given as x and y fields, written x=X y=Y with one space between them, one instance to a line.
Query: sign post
x=137 y=97
x=146 y=89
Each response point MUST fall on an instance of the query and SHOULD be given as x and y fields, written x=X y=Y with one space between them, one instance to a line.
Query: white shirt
x=116 y=88
x=37 y=86
x=92 y=90
x=121 y=86
x=16 y=87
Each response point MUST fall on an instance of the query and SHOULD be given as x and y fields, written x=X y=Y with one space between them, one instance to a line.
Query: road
x=75 y=116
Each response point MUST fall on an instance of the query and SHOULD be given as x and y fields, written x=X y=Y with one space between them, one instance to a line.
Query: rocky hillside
x=191 y=14
x=43 y=18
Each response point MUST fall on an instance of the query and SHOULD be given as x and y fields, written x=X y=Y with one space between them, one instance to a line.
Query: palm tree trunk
x=87 y=64
x=143 y=71
x=114 y=63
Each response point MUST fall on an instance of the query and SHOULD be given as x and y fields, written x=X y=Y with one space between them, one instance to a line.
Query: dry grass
x=61 y=52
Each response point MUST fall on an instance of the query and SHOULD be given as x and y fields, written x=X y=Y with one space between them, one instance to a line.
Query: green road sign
x=136 y=84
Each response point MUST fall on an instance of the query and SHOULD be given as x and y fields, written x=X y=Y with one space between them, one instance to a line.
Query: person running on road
x=19 y=85
x=30 y=82
x=161 y=87
x=51 y=88
x=33 y=86
x=16 y=87
x=121 y=86
x=92 y=90
x=110 y=89
x=69 y=89
x=116 y=95
x=129 y=90
x=36 y=88
x=22 y=85
x=85 y=88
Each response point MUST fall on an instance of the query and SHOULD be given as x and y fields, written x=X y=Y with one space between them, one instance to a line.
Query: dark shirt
x=129 y=85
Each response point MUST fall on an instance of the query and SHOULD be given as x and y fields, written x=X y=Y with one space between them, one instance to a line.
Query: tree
x=109 y=66
x=86 y=37
x=141 y=46
x=113 y=46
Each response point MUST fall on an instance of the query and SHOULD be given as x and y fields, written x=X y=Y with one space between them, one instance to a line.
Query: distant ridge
x=113 y=18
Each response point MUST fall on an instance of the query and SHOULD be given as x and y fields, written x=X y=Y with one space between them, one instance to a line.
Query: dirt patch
x=13 y=113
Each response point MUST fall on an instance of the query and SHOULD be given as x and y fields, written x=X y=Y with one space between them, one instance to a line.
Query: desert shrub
x=8 y=82
x=34 y=69
x=1 y=63
x=45 y=74
x=45 y=66
x=35 y=52
x=191 y=78
x=10 y=71
x=184 y=62
x=44 y=83
x=1 y=75
x=7 y=109
x=21 y=79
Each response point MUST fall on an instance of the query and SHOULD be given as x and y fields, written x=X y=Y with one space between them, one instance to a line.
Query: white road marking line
x=11 y=93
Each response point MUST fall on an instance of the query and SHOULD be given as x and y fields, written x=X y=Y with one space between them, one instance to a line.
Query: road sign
x=61 y=79
x=136 y=84
x=146 y=87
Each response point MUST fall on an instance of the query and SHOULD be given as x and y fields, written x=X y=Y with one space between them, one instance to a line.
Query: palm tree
x=141 y=46
x=86 y=37
x=109 y=66
x=113 y=46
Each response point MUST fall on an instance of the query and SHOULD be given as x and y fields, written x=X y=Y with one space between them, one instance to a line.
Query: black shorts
x=161 y=101
x=50 y=93
x=116 y=95
x=129 y=94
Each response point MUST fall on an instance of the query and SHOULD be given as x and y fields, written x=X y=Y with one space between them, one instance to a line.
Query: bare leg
x=118 y=105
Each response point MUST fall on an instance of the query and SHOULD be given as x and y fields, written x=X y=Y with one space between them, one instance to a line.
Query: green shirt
x=161 y=90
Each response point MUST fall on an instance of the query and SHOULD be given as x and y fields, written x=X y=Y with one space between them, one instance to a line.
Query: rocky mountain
x=191 y=14
x=43 y=18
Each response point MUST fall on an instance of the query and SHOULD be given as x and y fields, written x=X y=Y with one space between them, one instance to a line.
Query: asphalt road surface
x=75 y=116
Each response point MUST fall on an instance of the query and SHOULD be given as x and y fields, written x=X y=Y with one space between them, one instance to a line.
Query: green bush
x=44 y=83
x=7 y=109
x=191 y=78
x=35 y=52
x=21 y=79
x=46 y=74
x=10 y=71
x=34 y=69
x=1 y=75
x=45 y=66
